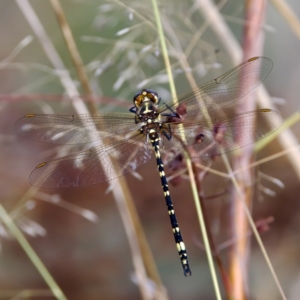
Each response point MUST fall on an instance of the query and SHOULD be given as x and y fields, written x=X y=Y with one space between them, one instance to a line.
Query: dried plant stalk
x=252 y=46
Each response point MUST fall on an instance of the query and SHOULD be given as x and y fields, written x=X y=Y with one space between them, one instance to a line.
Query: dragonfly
x=128 y=140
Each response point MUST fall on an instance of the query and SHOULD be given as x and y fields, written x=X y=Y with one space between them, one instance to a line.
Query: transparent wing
x=90 y=167
x=225 y=89
x=224 y=134
x=74 y=129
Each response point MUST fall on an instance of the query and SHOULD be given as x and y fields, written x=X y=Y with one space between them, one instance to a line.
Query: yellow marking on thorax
x=147 y=110
x=30 y=115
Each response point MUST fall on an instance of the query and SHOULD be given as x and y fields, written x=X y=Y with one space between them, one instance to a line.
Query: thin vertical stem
x=188 y=161
x=252 y=46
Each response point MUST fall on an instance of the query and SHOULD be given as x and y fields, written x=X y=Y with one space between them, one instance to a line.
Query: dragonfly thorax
x=150 y=123
x=146 y=112
x=146 y=104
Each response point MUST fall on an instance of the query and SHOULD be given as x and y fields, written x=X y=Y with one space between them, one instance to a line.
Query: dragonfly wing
x=74 y=129
x=224 y=90
x=99 y=164
x=224 y=134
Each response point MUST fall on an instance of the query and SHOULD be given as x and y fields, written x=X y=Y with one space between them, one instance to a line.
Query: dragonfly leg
x=168 y=134
x=172 y=114
x=133 y=110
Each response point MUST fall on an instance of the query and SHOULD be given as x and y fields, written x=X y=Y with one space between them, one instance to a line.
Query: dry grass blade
x=242 y=197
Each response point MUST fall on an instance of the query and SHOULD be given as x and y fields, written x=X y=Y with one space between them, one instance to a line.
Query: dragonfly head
x=146 y=96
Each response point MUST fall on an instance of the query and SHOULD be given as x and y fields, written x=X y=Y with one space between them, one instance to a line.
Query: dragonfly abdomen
x=154 y=139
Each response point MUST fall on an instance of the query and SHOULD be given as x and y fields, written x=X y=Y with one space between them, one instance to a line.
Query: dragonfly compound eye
x=146 y=96
x=138 y=99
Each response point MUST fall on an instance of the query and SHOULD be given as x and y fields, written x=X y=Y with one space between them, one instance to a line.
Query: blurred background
x=78 y=233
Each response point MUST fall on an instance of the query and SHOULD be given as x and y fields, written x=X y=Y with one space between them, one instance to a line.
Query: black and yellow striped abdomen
x=176 y=231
